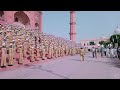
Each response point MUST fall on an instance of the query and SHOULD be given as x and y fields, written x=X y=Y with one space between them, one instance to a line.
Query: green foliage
x=105 y=43
x=115 y=39
x=92 y=43
x=101 y=42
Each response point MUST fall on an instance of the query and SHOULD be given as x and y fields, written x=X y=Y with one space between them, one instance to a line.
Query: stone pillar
x=40 y=24
x=72 y=26
x=32 y=20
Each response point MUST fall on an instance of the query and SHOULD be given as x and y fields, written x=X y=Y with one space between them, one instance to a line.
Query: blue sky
x=89 y=24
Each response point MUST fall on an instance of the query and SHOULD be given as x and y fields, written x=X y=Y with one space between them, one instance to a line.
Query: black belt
x=4 y=47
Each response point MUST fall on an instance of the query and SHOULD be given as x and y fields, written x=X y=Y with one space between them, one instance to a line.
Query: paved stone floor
x=69 y=67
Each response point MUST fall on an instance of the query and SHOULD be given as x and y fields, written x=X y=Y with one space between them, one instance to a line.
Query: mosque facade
x=30 y=19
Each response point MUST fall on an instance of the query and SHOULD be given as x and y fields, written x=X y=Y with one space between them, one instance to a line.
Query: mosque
x=33 y=20
x=30 y=19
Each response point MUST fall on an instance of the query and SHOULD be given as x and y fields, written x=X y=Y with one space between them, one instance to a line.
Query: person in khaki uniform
x=70 y=51
x=66 y=50
x=14 y=48
x=32 y=48
x=11 y=61
x=43 y=51
x=49 y=52
x=59 y=50
x=47 y=49
x=40 y=50
x=27 y=46
x=10 y=47
x=63 y=50
x=32 y=54
x=1 y=39
x=73 y=51
x=4 y=53
x=20 y=61
x=38 y=54
x=55 y=51
x=78 y=50
x=52 y=51
x=82 y=53
x=25 y=49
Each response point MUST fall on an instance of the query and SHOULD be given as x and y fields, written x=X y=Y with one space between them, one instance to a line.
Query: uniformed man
x=62 y=51
x=66 y=50
x=49 y=51
x=43 y=51
x=25 y=49
x=32 y=48
x=38 y=53
x=59 y=50
x=55 y=51
x=82 y=53
x=52 y=50
x=11 y=61
x=20 y=61
x=3 y=60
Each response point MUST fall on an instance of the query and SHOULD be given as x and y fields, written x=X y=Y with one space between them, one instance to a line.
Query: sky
x=89 y=24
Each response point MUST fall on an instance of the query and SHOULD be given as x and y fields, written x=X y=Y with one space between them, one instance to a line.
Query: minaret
x=72 y=26
x=40 y=21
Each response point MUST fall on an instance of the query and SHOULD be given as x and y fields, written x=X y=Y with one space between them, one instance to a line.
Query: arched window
x=16 y=19
x=21 y=17
x=36 y=26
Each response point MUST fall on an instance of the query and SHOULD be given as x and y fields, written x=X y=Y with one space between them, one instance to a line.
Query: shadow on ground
x=114 y=62
x=75 y=59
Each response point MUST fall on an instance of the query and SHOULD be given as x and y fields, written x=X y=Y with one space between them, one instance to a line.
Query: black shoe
x=10 y=65
x=31 y=61
x=20 y=63
x=3 y=67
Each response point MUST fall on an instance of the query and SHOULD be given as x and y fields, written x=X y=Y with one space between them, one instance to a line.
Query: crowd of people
x=109 y=52
x=18 y=44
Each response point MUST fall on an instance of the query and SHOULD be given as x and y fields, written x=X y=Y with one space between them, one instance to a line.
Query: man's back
x=82 y=51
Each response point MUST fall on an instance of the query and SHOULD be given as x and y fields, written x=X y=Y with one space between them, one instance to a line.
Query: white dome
x=117 y=31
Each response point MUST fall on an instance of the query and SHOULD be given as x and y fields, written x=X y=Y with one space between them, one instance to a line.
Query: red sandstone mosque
x=33 y=20
x=30 y=19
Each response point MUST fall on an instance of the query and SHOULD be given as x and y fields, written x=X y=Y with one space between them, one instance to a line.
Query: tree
x=101 y=42
x=115 y=39
x=105 y=43
x=92 y=43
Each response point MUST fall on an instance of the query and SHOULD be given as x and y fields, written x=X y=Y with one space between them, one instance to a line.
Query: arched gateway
x=22 y=18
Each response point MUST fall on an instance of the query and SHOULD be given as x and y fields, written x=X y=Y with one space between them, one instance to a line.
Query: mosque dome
x=117 y=31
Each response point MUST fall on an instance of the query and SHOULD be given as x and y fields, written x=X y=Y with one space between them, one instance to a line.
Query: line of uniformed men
x=19 y=44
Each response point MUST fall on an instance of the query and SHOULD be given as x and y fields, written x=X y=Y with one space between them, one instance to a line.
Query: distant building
x=86 y=43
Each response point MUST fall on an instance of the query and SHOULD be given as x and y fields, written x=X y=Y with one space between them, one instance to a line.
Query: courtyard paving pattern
x=69 y=67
